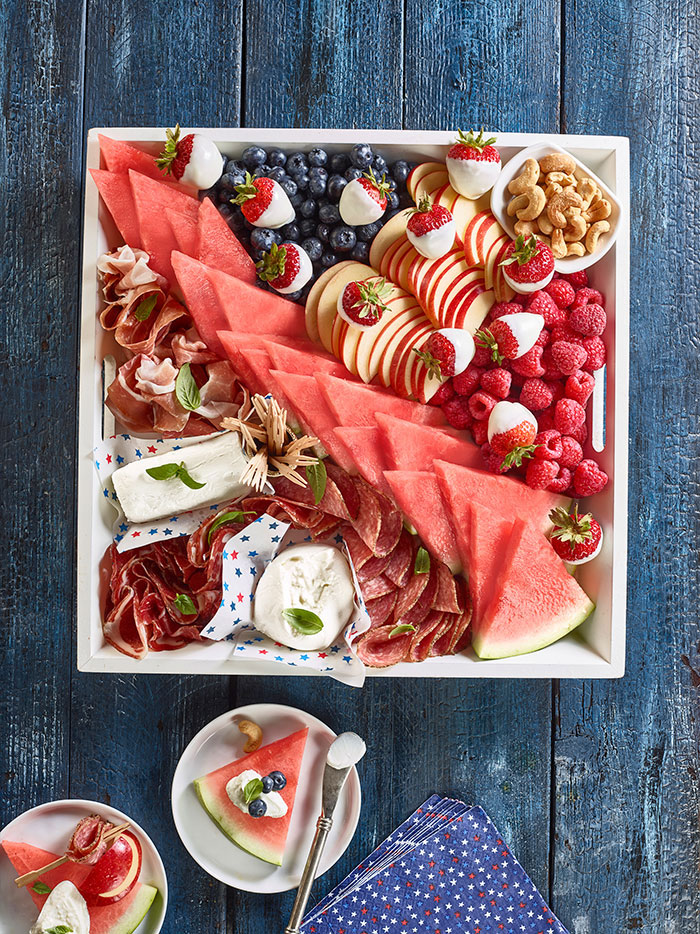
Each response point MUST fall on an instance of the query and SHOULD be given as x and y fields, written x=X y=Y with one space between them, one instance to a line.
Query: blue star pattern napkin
x=446 y=870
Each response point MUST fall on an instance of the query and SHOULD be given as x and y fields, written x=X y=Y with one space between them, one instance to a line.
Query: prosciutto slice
x=88 y=844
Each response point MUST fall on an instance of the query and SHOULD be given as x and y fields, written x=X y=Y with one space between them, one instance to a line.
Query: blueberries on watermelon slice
x=257 y=808
x=278 y=780
x=267 y=784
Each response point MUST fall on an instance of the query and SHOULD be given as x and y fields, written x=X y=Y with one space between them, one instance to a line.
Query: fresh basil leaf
x=186 y=389
x=422 y=565
x=401 y=628
x=316 y=476
x=304 y=621
x=187 y=479
x=252 y=790
x=143 y=310
x=41 y=888
x=60 y=929
x=165 y=472
x=185 y=604
x=236 y=515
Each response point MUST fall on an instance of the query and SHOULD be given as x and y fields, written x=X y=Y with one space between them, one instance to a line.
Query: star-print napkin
x=244 y=558
x=445 y=870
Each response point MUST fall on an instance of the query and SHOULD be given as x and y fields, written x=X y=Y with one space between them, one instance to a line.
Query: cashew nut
x=594 y=233
x=598 y=211
x=552 y=189
x=576 y=249
x=558 y=162
x=526 y=228
x=527 y=178
x=536 y=203
x=588 y=189
x=560 y=178
x=567 y=198
x=516 y=204
x=545 y=225
x=253 y=732
x=575 y=229
x=559 y=248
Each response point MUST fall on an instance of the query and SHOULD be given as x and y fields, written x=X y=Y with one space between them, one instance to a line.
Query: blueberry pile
x=314 y=182
x=275 y=781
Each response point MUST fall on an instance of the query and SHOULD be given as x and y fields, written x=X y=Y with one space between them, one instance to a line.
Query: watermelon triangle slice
x=410 y=446
x=482 y=549
x=356 y=404
x=219 y=247
x=364 y=445
x=253 y=310
x=240 y=356
x=303 y=357
x=186 y=232
x=120 y=917
x=201 y=301
x=153 y=200
x=120 y=157
x=417 y=494
x=115 y=191
x=536 y=601
x=264 y=837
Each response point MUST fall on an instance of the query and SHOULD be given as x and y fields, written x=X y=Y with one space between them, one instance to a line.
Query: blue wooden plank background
x=594 y=783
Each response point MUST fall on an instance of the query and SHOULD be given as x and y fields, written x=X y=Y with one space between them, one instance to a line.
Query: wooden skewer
x=29 y=878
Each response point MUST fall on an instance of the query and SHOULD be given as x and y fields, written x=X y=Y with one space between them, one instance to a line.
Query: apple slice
x=471 y=315
x=388 y=338
x=407 y=329
x=365 y=359
x=404 y=360
x=417 y=175
x=115 y=874
x=433 y=184
x=483 y=230
x=397 y=246
x=404 y=264
x=314 y=296
x=459 y=293
x=451 y=265
x=393 y=230
x=328 y=302
x=423 y=385
x=463 y=211
x=405 y=249
x=495 y=255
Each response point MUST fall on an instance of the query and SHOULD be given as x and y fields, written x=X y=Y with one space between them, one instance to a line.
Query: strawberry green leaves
x=169 y=154
x=304 y=621
x=523 y=251
x=475 y=142
x=172 y=471
x=186 y=390
x=245 y=192
x=432 y=363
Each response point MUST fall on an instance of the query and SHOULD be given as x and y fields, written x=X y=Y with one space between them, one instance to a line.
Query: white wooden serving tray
x=597 y=648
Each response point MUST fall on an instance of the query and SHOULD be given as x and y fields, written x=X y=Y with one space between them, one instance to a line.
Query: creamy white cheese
x=235 y=788
x=434 y=243
x=206 y=164
x=217 y=463
x=309 y=577
x=472 y=178
x=346 y=750
x=65 y=906
x=278 y=212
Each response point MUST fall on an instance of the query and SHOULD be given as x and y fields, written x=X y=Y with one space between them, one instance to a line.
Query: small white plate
x=500 y=196
x=220 y=742
x=50 y=826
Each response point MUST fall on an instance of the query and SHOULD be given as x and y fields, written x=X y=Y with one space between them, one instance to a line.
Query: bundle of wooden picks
x=272 y=448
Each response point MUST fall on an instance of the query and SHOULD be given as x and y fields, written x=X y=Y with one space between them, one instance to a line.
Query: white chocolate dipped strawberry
x=447 y=352
x=362 y=303
x=286 y=267
x=263 y=202
x=193 y=159
x=473 y=164
x=576 y=539
x=511 y=336
x=431 y=229
x=528 y=265
x=363 y=200
x=512 y=430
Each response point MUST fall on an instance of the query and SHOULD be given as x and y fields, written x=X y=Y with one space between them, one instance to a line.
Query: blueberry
x=339 y=162
x=342 y=239
x=267 y=784
x=335 y=186
x=302 y=181
x=296 y=200
x=314 y=248
x=308 y=208
x=276 y=157
x=323 y=232
x=400 y=171
x=291 y=232
x=277 y=173
x=288 y=186
x=329 y=214
x=307 y=226
x=236 y=167
x=368 y=232
x=253 y=156
x=317 y=171
x=390 y=182
x=225 y=195
x=352 y=173
x=317 y=186
x=329 y=259
x=262 y=170
x=262 y=238
x=229 y=180
x=278 y=780
x=379 y=165
x=227 y=213
x=360 y=252
x=293 y=297
x=361 y=155
x=392 y=201
x=257 y=808
x=318 y=157
x=297 y=164
x=235 y=218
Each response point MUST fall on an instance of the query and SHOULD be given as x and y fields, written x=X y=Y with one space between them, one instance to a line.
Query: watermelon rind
x=237 y=835
x=137 y=911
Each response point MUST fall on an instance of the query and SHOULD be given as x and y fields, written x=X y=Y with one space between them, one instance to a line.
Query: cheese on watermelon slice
x=264 y=837
x=115 y=191
x=356 y=404
x=536 y=601
x=409 y=446
x=219 y=247
x=120 y=917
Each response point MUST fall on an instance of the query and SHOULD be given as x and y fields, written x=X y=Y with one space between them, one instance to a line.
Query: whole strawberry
x=364 y=200
x=576 y=539
x=363 y=303
x=512 y=336
x=286 y=267
x=528 y=265
x=447 y=352
x=193 y=159
x=431 y=229
x=263 y=202
x=512 y=432
x=473 y=164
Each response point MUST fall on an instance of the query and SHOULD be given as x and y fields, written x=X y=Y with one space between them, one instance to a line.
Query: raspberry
x=589 y=320
x=457 y=412
x=548 y=445
x=577 y=279
x=535 y=395
x=579 y=387
x=519 y=299
x=541 y=303
x=544 y=338
x=568 y=357
x=541 y=473
x=564 y=332
x=482 y=356
x=571 y=452
x=466 y=382
x=444 y=394
x=568 y=416
x=480 y=432
x=517 y=381
x=480 y=405
x=557 y=389
x=529 y=364
x=501 y=309
x=588 y=296
x=589 y=478
x=561 y=482
x=551 y=370
x=580 y=434
x=494 y=461
x=597 y=355
x=497 y=382
x=545 y=419
x=562 y=292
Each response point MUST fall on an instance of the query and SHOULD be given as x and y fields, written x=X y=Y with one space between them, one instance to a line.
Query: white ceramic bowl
x=500 y=196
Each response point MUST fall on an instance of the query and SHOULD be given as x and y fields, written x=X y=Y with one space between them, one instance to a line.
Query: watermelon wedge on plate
x=264 y=837
x=410 y=446
x=153 y=201
x=219 y=247
x=356 y=404
x=482 y=548
x=253 y=310
x=186 y=232
x=115 y=191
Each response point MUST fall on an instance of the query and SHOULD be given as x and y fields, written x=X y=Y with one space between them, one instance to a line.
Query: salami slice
x=373 y=567
x=440 y=645
x=425 y=636
x=391 y=526
x=377 y=587
x=378 y=649
x=347 y=488
x=368 y=522
x=416 y=599
x=87 y=845
x=461 y=635
x=446 y=598
x=380 y=610
x=359 y=552
x=401 y=564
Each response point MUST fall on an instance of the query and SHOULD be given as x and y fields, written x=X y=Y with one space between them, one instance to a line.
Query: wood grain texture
x=626 y=844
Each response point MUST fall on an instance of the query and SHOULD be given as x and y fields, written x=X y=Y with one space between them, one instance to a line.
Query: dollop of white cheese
x=65 y=907
x=235 y=789
x=308 y=577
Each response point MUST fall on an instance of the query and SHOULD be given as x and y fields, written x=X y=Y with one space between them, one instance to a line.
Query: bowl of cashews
x=545 y=191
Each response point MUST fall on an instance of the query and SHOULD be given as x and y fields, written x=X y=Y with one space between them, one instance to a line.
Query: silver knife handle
x=307 y=880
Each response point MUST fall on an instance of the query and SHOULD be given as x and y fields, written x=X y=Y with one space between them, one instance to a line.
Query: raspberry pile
x=553 y=380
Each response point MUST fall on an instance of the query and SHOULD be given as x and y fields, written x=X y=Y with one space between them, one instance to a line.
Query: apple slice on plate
x=402 y=364
x=405 y=332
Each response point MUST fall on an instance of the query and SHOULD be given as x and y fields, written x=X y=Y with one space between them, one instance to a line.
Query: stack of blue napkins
x=443 y=871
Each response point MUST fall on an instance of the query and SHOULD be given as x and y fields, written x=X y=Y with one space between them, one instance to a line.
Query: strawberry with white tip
x=512 y=430
x=447 y=352
x=576 y=539
x=511 y=336
x=287 y=268
x=528 y=265
x=362 y=303
x=364 y=200
x=473 y=164
x=431 y=229
x=263 y=202
x=193 y=159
